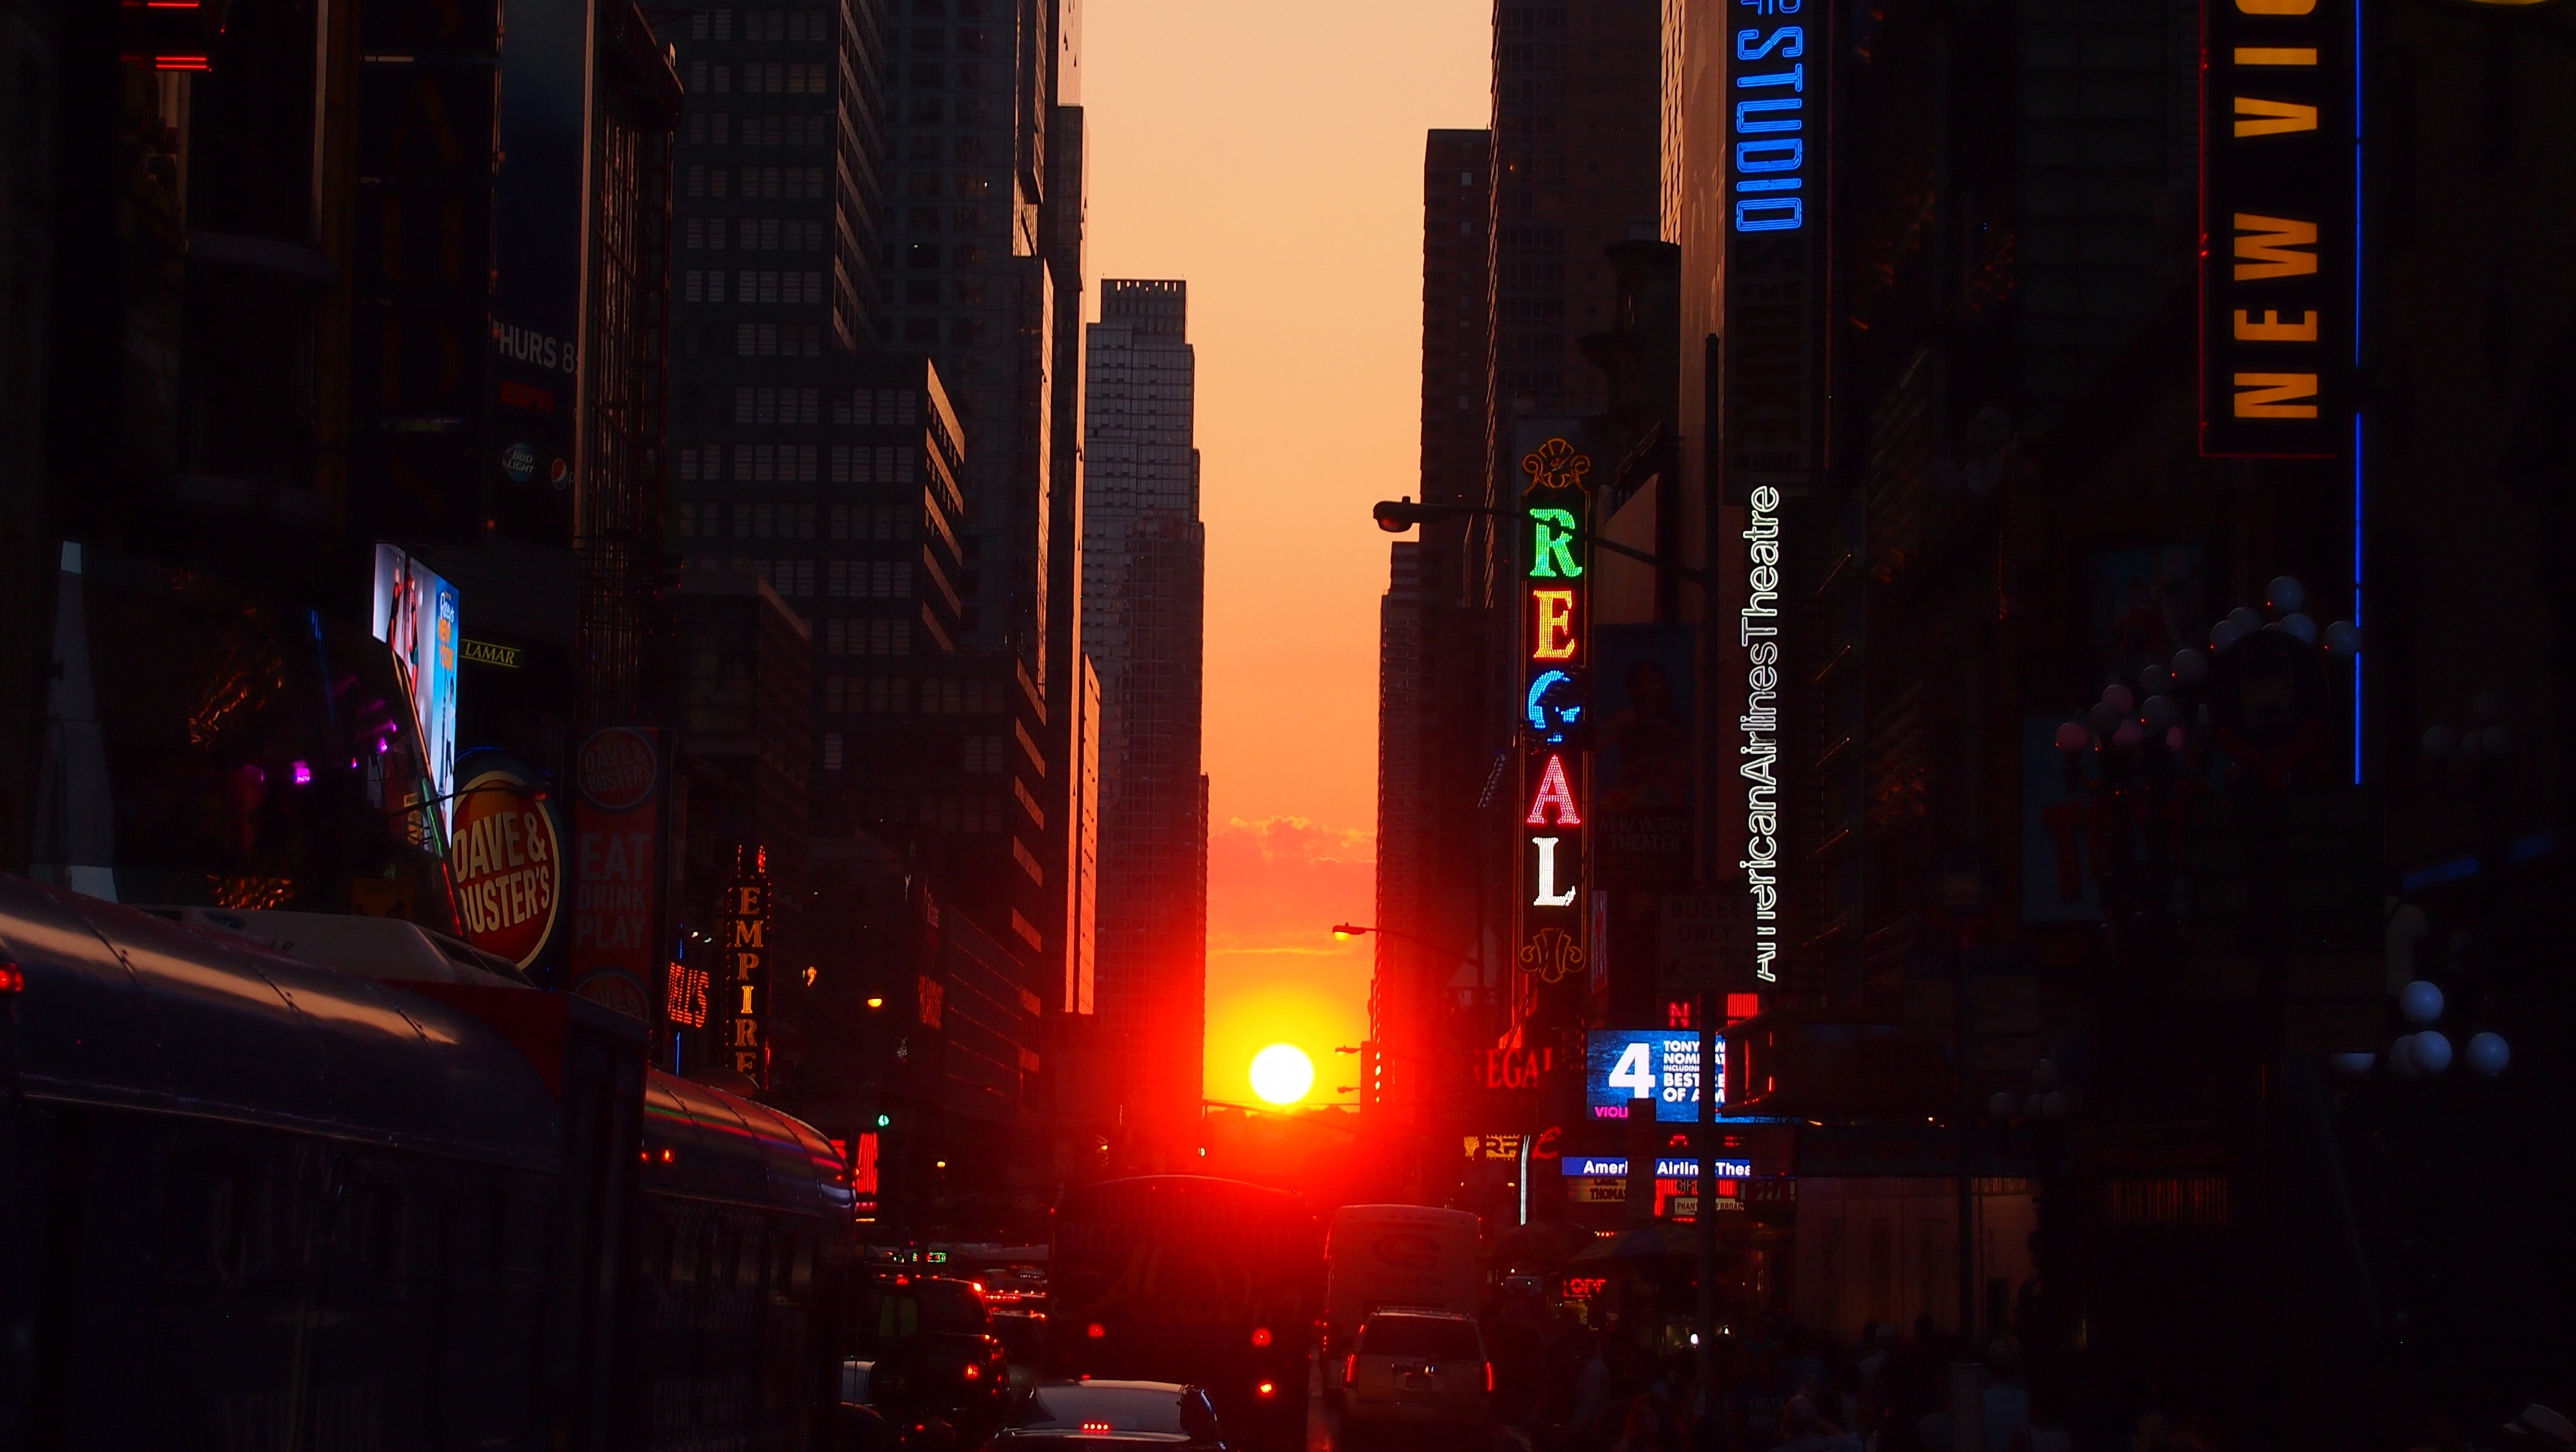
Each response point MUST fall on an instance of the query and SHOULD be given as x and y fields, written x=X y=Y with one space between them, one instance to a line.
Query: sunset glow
x=1281 y=1074
x=1289 y=193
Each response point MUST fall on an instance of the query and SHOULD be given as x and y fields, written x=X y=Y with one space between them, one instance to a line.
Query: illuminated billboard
x=1622 y=1066
x=413 y=612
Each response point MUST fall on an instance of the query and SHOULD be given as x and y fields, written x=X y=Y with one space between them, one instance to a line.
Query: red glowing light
x=1351 y=1370
x=13 y=979
x=1095 y=1331
x=180 y=63
x=974 y=1373
x=1554 y=791
x=1489 y=1376
x=1260 y=1335
x=1095 y=1429
x=1267 y=1388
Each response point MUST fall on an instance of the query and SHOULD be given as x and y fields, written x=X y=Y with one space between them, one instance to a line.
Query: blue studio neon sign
x=1769 y=171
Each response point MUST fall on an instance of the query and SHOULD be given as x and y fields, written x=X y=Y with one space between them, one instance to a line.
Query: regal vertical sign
x=2278 y=253
x=1556 y=658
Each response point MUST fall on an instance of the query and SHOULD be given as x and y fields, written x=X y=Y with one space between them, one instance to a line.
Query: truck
x=1378 y=1256
x=1194 y=1279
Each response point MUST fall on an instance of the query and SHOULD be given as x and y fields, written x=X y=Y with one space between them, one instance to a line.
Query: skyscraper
x=1144 y=585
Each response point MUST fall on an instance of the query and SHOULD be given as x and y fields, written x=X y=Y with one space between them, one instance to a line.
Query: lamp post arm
x=1434 y=513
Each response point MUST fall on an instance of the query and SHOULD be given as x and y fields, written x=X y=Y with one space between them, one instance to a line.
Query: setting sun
x=1282 y=1073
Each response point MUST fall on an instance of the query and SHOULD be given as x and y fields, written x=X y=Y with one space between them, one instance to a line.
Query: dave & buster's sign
x=505 y=853
x=2278 y=243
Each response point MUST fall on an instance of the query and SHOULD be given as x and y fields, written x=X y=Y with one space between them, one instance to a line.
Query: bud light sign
x=1622 y=1066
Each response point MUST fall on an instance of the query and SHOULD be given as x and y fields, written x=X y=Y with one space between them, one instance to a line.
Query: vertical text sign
x=2278 y=245
x=1556 y=637
x=745 y=926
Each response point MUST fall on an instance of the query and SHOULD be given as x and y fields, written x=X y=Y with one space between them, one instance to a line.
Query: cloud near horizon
x=1276 y=886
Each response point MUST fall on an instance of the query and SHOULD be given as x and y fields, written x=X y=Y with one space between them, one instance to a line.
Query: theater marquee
x=1556 y=650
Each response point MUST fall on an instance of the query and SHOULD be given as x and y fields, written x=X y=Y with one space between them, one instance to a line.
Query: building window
x=831 y=751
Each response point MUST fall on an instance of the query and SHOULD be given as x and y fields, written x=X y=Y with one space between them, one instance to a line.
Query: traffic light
x=885 y=1121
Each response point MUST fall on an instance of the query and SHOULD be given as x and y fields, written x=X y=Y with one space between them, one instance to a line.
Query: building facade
x=1144 y=583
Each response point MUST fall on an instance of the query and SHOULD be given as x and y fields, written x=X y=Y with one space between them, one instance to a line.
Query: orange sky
x=1271 y=155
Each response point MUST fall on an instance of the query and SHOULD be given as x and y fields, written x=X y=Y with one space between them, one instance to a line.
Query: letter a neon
x=1554 y=791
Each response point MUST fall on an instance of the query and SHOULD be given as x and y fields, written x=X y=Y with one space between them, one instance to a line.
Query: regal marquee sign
x=1556 y=654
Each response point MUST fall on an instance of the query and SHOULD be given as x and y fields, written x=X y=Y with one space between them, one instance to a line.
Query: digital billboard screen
x=414 y=614
x=1621 y=1066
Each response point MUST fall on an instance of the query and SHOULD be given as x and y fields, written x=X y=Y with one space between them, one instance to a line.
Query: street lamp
x=1395 y=516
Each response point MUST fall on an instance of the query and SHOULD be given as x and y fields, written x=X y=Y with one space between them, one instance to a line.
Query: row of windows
x=753 y=234
x=758 y=183
x=867 y=637
x=840 y=579
x=716 y=128
x=764 y=286
x=763 y=78
x=793 y=519
x=969 y=184
x=752 y=463
x=936 y=110
x=776 y=405
x=935 y=40
x=778 y=340
x=793 y=27
x=932 y=148
x=925 y=75
x=961 y=219
x=866 y=407
x=936 y=9
x=906 y=695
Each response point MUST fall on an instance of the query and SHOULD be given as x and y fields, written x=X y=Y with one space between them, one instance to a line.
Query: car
x=931 y=1354
x=1417 y=1367
x=1098 y=1414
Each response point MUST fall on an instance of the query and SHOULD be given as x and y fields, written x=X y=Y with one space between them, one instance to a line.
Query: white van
x=1397 y=1255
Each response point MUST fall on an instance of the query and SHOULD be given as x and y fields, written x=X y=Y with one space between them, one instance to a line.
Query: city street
x=1204 y=725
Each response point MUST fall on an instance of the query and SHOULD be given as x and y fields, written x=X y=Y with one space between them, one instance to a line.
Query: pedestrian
x=1803 y=1429
x=1646 y=1429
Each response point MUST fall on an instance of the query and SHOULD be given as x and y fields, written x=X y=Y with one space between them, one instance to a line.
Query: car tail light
x=1268 y=1388
x=1351 y=1370
x=1095 y=1331
x=13 y=979
x=1260 y=1335
x=976 y=1373
x=1095 y=1429
x=1489 y=1376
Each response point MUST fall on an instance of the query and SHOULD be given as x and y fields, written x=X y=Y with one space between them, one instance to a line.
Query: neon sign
x=1767 y=168
x=744 y=924
x=2278 y=245
x=1555 y=912
x=1757 y=630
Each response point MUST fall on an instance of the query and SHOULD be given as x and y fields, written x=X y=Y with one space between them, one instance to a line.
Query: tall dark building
x=1144 y=567
x=983 y=267
x=1434 y=1004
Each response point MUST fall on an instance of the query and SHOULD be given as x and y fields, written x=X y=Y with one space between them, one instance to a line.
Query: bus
x=1188 y=1278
